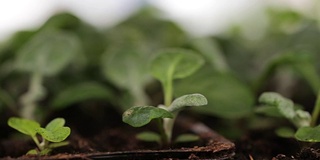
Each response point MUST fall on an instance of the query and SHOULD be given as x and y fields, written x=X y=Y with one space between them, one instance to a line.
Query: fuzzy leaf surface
x=191 y=100
x=141 y=115
x=286 y=108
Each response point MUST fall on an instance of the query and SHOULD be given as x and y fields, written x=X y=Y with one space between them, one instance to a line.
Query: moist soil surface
x=98 y=130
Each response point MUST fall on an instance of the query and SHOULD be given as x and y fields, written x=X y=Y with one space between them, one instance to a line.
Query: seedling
x=46 y=54
x=166 y=66
x=305 y=124
x=52 y=136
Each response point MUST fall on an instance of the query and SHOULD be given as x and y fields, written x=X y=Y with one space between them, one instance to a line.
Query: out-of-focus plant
x=130 y=46
x=306 y=125
x=46 y=54
x=216 y=80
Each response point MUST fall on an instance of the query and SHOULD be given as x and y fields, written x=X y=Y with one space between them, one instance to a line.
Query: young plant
x=46 y=54
x=52 y=136
x=166 y=66
x=307 y=129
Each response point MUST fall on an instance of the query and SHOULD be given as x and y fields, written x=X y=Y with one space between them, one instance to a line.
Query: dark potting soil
x=99 y=129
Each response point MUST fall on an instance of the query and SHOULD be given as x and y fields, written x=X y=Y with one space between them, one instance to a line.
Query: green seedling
x=166 y=66
x=46 y=54
x=52 y=136
x=306 y=126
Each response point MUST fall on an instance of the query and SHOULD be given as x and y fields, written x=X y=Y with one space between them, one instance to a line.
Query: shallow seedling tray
x=217 y=147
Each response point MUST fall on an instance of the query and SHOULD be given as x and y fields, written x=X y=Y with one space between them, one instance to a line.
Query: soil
x=99 y=133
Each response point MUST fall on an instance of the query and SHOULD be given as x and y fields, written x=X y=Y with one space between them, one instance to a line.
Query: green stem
x=44 y=144
x=36 y=141
x=167 y=87
x=315 y=112
x=168 y=124
x=35 y=93
x=164 y=138
x=140 y=97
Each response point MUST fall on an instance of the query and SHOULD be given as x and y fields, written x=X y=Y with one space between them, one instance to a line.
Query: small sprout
x=278 y=106
x=166 y=66
x=54 y=132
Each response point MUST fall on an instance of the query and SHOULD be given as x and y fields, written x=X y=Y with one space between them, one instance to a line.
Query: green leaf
x=55 y=124
x=141 y=115
x=127 y=67
x=285 y=132
x=191 y=100
x=25 y=126
x=186 y=138
x=175 y=63
x=269 y=111
x=47 y=52
x=308 y=134
x=302 y=118
x=149 y=137
x=57 y=135
x=80 y=92
x=301 y=62
x=285 y=106
x=227 y=96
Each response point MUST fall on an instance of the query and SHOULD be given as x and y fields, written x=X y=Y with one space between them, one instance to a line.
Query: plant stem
x=315 y=112
x=168 y=124
x=34 y=94
x=36 y=141
x=167 y=93
x=164 y=138
x=44 y=144
x=140 y=97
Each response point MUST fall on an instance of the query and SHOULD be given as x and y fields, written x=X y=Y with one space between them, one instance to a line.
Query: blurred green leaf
x=183 y=138
x=25 y=126
x=173 y=64
x=285 y=132
x=55 y=124
x=149 y=137
x=57 y=135
x=55 y=130
x=126 y=67
x=286 y=108
x=227 y=96
x=80 y=92
x=48 y=52
x=308 y=134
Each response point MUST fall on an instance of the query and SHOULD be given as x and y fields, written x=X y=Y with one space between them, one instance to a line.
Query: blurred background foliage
x=111 y=65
